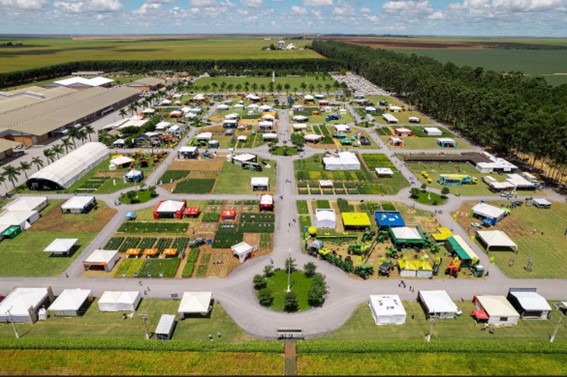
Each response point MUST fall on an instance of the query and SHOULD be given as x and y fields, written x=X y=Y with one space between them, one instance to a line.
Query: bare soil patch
x=94 y=221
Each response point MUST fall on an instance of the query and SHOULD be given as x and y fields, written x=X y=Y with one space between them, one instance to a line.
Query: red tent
x=228 y=214
x=267 y=202
x=191 y=211
x=169 y=209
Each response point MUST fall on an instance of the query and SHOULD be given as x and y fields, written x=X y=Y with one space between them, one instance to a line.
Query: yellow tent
x=355 y=219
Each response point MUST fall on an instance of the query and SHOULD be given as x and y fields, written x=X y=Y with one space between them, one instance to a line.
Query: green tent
x=11 y=232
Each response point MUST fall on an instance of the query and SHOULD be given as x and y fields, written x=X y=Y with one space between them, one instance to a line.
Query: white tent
x=325 y=218
x=204 y=136
x=489 y=211
x=266 y=200
x=239 y=159
x=252 y=107
x=265 y=108
x=370 y=109
x=148 y=110
x=341 y=128
x=389 y=118
x=384 y=172
x=260 y=183
x=387 y=309
x=23 y=219
x=24 y=304
x=496 y=239
x=78 y=204
x=499 y=310
x=119 y=301
x=300 y=118
x=119 y=143
x=529 y=303
x=269 y=117
x=165 y=102
x=541 y=203
x=61 y=246
x=69 y=302
x=242 y=138
x=195 y=303
x=394 y=108
x=119 y=162
x=265 y=124
x=163 y=125
x=70 y=168
x=520 y=182
x=299 y=126
x=406 y=233
x=269 y=136
x=308 y=97
x=313 y=138
x=101 y=258
x=344 y=161
x=222 y=107
x=242 y=250
x=170 y=206
x=27 y=203
x=438 y=304
x=432 y=131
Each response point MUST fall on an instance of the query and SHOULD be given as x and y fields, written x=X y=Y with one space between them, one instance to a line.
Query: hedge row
x=317 y=346
x=137 y=345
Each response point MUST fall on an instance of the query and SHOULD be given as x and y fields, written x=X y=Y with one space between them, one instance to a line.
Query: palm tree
x=230 y=87
x=327 y=88
x=89 y=130
x=11 y=173
x=38 y=162
x=303 y=86
x=3 y=180
x=319 y=87
x=254 y=87
x=24 y=167
x=312 y=88
x=246 y=86
x=49 y=155
x=133 y=107
x=286 y=86
x=262 y=88
x=238 y=87
x=66 y=143
x=215 y=87
x=58 y=149
x=73 y=134
x=279 y=87
x=122 y=112
x=83 y=134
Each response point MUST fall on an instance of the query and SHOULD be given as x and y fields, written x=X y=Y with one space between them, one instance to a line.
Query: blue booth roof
x=389 y=219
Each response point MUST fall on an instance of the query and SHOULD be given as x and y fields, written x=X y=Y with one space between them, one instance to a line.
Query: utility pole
x=431 y=322
x=145 y=320
x=13 y=324
x=289 y=272
x=552 y=338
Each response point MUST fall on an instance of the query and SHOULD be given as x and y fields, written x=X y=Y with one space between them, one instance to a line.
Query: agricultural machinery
x=436 y=266
x=392 y=253
x=368 y=236
x=196 y=242
x=454 y=267
x=359 y=249
x=331 y=117
x=385 y=268
x=364 y=271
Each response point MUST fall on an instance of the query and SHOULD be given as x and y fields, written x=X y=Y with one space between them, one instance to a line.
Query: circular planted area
x=307 y=289
x=427 y=197
x=139 y=196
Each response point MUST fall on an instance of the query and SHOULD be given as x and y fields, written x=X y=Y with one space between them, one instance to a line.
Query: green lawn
x=111 y=325
x=547 y=250
x=43 y=52
x=173 y=175
x=142 y=196
x=293 y=82
x=300 y=284
x=430 y=198
x=232 y=179
x=361 y=327
x=426 y=142
x=24 y=256
x=194 y=186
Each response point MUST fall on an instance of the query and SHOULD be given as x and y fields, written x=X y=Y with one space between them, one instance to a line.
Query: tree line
x=263 y=67
x=506 y=112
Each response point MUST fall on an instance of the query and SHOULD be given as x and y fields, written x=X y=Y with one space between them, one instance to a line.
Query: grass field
x=300 y=284
x=539 y=234
x=42 y=52
x=24 y=255
x=420 y=140
x=293 y=82
x=544 y=63
x=235 y=180
x=361 y=327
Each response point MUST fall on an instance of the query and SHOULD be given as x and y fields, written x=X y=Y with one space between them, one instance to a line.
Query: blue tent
x=389 y=219
x=134 y=175
x=131 y=215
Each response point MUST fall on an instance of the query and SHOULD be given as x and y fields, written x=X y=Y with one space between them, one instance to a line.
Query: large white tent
x=437 y=304
x=23 y=304
x=70 y=302
x=23 y=219
x=519 y=182
x=242 y=250
x=496 y=239
x=61 y=246
x=27 y=203
x=78 y=204
x=70 y=168
x=490 y=212
x=120 y=162
x=432 y=131
x=529 y=303
x=204 y=136
x=498 y=309
x=387 y=309
x=195 y=303
x=260 y=183
x=105 y=259
x=325 y=218
x=313 y=138
x=119 y=301
x=344 y=161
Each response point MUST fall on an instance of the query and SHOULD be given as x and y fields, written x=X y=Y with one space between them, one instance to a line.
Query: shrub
x=291 y=303
x=309 y=268
x=265 y=297
x=259 y=282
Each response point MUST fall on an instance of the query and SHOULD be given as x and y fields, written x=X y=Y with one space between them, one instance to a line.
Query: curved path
x=236 y=294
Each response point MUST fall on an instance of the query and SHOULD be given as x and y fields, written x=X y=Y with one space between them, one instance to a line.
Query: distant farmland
x=44 y=52
x=546 y=57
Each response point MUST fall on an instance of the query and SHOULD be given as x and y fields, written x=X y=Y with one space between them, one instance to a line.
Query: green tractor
x=364 y=271
x=359 y=249
x=382 y=236
x=368 y=236
x=392 y=253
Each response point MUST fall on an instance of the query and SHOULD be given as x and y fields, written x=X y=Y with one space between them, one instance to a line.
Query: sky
x=543 y=18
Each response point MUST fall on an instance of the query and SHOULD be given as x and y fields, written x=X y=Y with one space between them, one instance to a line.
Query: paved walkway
x=236 y=293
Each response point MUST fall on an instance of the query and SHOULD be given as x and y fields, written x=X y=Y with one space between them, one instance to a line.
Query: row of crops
x=124 y=243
